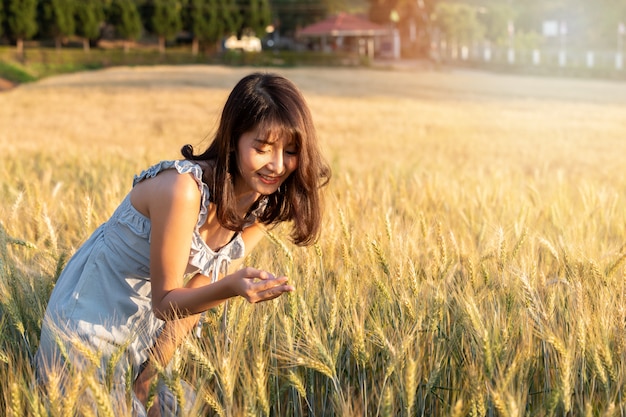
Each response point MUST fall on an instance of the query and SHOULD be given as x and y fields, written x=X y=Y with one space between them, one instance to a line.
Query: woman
x=123 y=303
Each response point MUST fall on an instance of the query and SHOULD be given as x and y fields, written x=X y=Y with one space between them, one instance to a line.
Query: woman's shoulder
x=164 y=190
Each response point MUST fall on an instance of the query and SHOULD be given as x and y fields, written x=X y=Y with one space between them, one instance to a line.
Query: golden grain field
x=472 y=260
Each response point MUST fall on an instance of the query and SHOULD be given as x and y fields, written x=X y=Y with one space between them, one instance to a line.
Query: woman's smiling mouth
x=269 y=180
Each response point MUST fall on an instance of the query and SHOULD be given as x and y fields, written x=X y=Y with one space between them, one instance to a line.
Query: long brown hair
x=274 y=105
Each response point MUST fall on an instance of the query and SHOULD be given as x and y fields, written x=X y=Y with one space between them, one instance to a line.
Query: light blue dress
x=102 y=299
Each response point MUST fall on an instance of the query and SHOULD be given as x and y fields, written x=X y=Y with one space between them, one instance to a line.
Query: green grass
x=14 y=73
x=39 y=62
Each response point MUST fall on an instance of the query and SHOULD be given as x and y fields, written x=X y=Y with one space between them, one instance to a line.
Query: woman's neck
x=244 y=196
x=245 y=201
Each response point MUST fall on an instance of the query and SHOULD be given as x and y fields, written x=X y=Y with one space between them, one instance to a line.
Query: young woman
x=136 y=287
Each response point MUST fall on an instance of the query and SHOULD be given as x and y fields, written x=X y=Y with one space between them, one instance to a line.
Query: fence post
x=590 y=59
x=487 y=52
x=510 y=55
x=536 y=57
x=619 y=57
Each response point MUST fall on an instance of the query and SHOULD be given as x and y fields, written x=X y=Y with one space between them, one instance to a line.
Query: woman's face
x=264 y=164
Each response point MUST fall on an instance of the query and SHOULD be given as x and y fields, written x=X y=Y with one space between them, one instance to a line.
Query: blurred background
x=566 y=37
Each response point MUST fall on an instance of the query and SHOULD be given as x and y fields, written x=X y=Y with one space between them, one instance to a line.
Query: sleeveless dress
x=101 y=303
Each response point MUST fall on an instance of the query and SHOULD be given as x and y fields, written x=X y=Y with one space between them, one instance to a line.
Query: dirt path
x=449 y=84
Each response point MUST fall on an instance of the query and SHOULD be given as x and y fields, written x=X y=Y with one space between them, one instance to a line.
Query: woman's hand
x=256 y=285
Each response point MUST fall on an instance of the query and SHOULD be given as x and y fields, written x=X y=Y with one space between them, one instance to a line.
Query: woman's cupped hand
x=256 y=285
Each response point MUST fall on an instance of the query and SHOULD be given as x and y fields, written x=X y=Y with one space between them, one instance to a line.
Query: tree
x=459 y=22
x=89 y=18
x=290 y=15
x=166 y=20
x=58 y=19
x=203 y=19
x=124 y=16
x=231 y=15
x=587 y=24
x=412 y=18
x=257 y=16
x=495 y=17
x=21 y=18
x=609 y=15
x=1 y=17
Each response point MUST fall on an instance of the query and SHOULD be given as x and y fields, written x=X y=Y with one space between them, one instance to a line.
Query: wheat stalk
x=54 y=393
x=16 y=407
x=457 y=411
x=546 y=244
x=86 y=351
x=615 y=265
x=103 y=402
x=297 y=383
x=215 y=405
x=51 y=231
x=260 y=379
x=88 y=213
x=410 y=384
x=71 y=394
x=200 y=357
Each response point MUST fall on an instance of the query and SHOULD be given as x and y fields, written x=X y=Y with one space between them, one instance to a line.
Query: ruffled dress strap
x=182 y=167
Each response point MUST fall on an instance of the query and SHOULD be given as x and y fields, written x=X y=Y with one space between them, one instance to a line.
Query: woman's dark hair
x=273 y=105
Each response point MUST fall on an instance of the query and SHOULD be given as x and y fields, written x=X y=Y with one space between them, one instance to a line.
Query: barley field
x=472 y=260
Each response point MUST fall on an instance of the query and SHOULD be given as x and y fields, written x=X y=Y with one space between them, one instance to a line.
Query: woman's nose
x=277 y=164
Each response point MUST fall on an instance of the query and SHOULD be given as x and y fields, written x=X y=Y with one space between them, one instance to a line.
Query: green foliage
x=203 y=18
x=14 y=73
x=289 y=15
x=2 y=17
x=89 y=17
x=44 y=62
x=288 y=59
x=231 y=15
x=24 y=295
x=124 y=15
x=589 y=24
x=495 y=18
x=380 y=11
x=526 y=41
x=257 y=16
x=459 y=22
x=58 y=18
x=166 y=18
x=21 y=18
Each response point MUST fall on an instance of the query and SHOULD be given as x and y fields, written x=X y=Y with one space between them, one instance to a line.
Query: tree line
x=597 y=24
x=206 y=21
x=582 y=24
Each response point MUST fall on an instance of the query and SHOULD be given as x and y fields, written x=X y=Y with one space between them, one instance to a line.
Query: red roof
x=343 y=24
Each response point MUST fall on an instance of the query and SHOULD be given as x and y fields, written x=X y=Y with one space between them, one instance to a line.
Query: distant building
x=350 y=33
